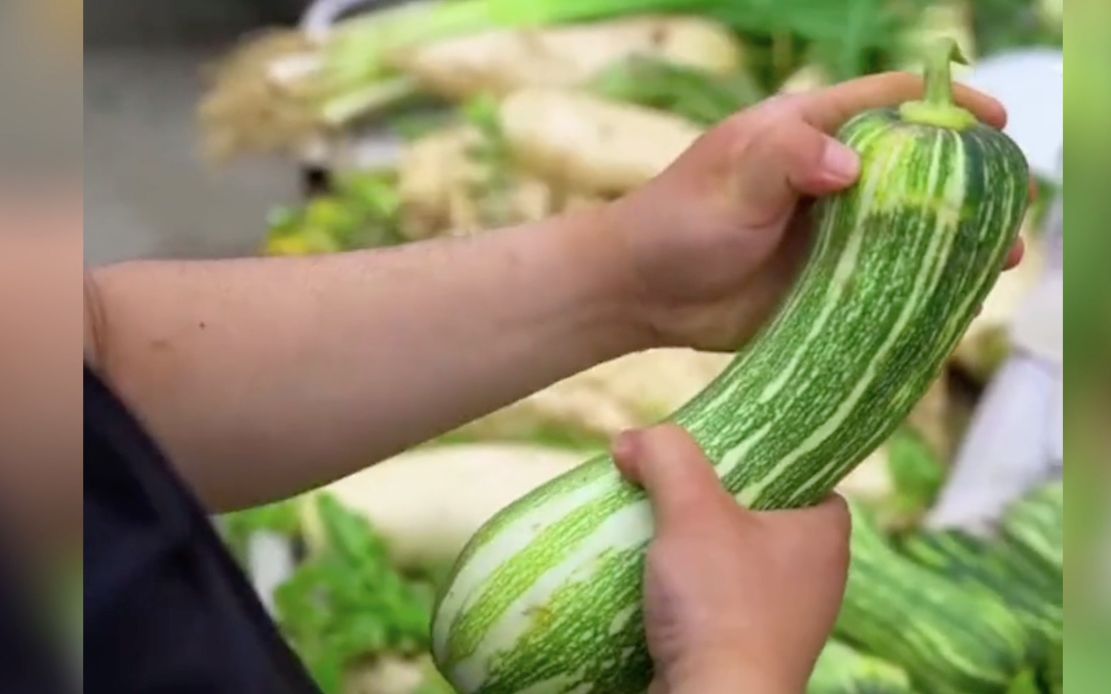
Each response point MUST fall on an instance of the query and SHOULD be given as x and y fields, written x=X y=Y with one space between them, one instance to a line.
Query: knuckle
x=786 y=135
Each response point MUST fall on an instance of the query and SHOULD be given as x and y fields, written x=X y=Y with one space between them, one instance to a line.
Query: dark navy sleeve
x=167 y=609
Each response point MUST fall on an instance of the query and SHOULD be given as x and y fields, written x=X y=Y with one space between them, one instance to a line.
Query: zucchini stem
x=937 y=108
x=939 y=79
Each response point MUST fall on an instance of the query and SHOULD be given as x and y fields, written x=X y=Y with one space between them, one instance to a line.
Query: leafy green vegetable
x=348 y=602
x=915 y=471
x=491 y=153
x=850 y=36
x=695 y=94
x=363 y=210
x=281 y=518
x=415 y=125
x=1000 y=25
x=1025 y=683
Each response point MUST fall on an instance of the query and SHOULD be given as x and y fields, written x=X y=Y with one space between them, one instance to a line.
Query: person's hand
x=712 y=244
x=735 y=601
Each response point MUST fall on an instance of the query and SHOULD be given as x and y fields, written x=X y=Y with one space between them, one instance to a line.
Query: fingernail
x=624 y=445
x=839 y=162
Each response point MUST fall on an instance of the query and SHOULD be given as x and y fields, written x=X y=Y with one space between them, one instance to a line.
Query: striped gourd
x=1052 y=674
x=1035 y=525
x=841 y=669
x=994 y=568
x=948 y=639
x=546 y=596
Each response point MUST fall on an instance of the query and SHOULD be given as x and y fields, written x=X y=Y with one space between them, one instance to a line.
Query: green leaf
x=347 y=602
x=363 y=210
x=916 y=472
x=281 y=518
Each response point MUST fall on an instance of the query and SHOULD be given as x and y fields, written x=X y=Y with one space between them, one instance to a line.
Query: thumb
x=788 y=159
x=676 y=474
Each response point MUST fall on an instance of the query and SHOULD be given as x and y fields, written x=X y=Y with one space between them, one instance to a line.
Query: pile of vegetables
x=960 y=613
x=511 y=111
x=924 y=611
x=546 y=595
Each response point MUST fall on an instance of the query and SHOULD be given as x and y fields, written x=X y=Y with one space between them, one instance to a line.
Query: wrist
x=598 y=260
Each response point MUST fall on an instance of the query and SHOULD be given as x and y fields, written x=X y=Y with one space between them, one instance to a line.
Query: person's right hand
x=735 y=601
x=709 y=247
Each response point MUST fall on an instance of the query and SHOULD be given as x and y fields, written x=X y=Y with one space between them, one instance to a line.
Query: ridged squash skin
x=948 y=638
x=547 y=596
x=841 y=669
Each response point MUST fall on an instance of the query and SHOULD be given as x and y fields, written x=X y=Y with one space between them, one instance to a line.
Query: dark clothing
x=167 y=609
x=28 y=661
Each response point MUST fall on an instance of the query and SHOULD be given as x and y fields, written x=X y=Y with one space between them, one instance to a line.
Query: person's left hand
x=712 y=244
x=734 y=600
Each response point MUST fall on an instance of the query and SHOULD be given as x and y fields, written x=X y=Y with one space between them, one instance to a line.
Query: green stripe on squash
x=948 y=638
x=546 y=596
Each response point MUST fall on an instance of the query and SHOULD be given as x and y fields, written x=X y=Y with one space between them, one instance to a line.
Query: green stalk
x=360 y=50
x=375 y=96
x=937 y=108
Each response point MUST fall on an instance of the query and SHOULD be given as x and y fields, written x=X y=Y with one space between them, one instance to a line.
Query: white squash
x=590 y=143
x=426 y=503
x=499 y=62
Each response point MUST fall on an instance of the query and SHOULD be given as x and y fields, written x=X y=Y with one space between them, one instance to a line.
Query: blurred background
x=147 y=193
x=245 y=127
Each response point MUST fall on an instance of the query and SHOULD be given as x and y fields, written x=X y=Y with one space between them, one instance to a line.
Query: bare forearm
x=263 y=377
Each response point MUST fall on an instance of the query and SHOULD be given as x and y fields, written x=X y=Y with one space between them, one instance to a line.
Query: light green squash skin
x=546 y=597
x=841 y=669
x=949 y=639
x=1013 y=570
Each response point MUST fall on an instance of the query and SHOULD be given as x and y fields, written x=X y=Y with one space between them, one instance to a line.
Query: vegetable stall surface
x=546 y=597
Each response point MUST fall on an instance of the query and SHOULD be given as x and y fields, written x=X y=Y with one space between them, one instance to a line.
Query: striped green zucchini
x=994 y=568
x=948 y=639
x=842 y=669
x=547 y=596
x=1052 y=674
x=1035 y=525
